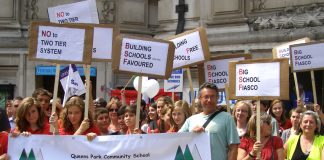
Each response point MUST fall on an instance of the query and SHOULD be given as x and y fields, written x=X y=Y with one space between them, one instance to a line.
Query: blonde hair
x=184 y=107
x=239 y=103
x=251 y=125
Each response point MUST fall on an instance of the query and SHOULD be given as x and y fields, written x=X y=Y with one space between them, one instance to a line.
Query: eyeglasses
x=111 y=110
x=213 y=97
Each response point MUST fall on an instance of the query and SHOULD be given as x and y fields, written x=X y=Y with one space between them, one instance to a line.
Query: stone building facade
x=233 y=26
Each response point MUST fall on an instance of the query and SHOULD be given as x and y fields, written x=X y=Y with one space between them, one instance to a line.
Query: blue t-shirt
x=222 y=131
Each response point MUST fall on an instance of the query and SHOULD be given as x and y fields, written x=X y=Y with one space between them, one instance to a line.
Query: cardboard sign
x=143 y=56
x=283 y=50
x=60 y=43
x=216 y=69
x=80 y=12
x=103 y=41
x=175 y=82
x=307 y=56
x=191 y=48
x=265 y=79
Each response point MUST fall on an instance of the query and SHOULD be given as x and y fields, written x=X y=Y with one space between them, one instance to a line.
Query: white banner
x=102 y=43
x=188 y=50
x=177 y=146
x=258 y=79
x=175 y=82
x=80 y=12
x=307 y=57
x=60 y=43
x=216 y=71
x=143 y=56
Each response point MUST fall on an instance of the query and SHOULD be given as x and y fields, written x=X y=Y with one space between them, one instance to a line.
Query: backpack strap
x=211 y=117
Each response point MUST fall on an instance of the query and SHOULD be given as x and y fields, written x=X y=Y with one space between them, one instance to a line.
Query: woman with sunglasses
x=271 y=147
x=308 y=144
x=113 y=108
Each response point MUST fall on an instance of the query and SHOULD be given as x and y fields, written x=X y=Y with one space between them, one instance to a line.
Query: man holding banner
x=223 y=135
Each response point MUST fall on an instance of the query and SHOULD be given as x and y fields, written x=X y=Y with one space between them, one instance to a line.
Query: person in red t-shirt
x=271 y=147
x=3 y=146
x=277 y=111
x=30 y=118
x=73 y=122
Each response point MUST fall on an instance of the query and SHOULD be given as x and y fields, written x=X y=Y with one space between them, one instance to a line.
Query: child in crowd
x=179 y=115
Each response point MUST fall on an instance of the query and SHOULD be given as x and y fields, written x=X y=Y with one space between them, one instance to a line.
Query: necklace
x=309 y=147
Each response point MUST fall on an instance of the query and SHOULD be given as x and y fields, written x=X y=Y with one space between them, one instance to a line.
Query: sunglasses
x=111 y=110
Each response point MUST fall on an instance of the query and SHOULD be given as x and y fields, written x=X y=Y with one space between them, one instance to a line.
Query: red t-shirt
x=284 y=126
x=92 y=129
x=269 y=148
x=45 y=130
x=3 y=143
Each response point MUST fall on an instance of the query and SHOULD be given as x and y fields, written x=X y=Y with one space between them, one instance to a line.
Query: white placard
x=258 y=79
x=102 y=43
x=307 y=57
x=188 y=50
x=80 y=12
x=175 y=82
x=60 y=43
x=120 y=147
x=283 y=51
x=216 y=71
x=143 y=56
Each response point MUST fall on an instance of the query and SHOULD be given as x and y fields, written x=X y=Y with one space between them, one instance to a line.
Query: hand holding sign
x=150 y=87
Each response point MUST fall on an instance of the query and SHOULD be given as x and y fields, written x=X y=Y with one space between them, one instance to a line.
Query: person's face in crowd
x=241 y=113
x=277 y=110
x=266 y=129
x=262 y=108
x=167 y=116
x=10 y=109
x=103 y=121
x=44 y=102
x=75 y=115
x=131 y=102
x=308 y=124
x=178 y=117
x=130 y=119
x=152 y=113
x=160 y=105
x=121 y=122
x=113 y=112
x=32 y=115
x=294 y=118
x=208 y=99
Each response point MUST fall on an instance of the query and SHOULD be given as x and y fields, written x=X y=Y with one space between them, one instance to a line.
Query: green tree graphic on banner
x=183 y=156
x=31 y=155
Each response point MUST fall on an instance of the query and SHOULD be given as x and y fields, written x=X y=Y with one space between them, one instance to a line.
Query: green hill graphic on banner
x=183 y=156
x=31 y=155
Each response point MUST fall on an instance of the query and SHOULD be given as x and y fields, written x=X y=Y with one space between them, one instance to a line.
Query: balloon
x=151 y=88
x=135 y=82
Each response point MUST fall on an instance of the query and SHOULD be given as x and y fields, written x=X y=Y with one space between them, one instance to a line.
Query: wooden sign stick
x=296 y=85
x=138 y=102
x=227 y=100
x=172 y=97
x=191 y=89
x=87 y=97
x=314 y=86
x=128 y=82
x=258 y=126
x=53 y=129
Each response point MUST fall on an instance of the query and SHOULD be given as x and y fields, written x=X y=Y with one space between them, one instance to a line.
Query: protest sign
x=143 y=56
x=216 y=69
x=60 y=43
x=79 y=12
x=103 y=41
x=191 y=48
x=175 y=82
x=265 y=79
x=133 y=147
x=306 y=57
x=283 y=51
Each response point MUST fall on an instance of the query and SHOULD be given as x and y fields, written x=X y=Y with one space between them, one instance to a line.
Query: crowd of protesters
x=232 y=135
